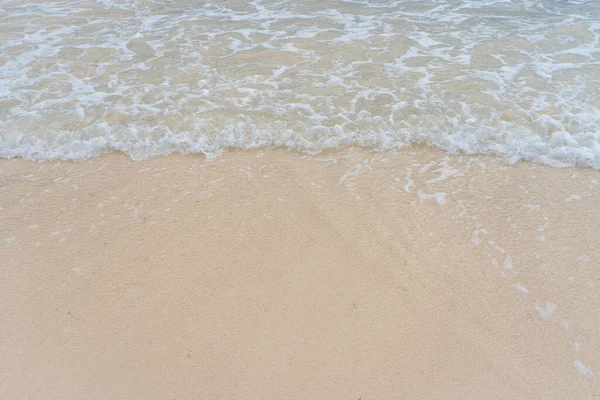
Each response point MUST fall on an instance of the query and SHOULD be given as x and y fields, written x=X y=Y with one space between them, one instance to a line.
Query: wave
x=517 y=79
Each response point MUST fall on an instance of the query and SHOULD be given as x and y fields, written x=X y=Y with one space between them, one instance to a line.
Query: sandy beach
x=299 y=199
x=273 y=275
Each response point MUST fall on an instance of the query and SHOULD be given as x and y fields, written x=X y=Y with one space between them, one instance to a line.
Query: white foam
x=439 y=197
x=520 y=288
x=583 y=370
x=546 y=311
x=151 y=80
x=573 y=197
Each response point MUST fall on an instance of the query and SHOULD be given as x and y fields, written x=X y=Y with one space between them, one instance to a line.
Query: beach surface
x=348 y=274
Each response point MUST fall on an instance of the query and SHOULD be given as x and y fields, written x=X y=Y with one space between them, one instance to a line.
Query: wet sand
x=345 y=275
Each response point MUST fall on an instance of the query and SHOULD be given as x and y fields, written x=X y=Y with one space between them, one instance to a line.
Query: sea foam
x=513 y=78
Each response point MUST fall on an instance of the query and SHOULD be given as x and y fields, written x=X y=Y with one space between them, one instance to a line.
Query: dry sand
x=270 y=275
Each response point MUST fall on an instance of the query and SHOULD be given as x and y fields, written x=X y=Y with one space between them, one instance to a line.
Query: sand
x=271 y=275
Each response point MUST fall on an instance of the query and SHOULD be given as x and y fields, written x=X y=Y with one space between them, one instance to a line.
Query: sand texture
x=270 y=275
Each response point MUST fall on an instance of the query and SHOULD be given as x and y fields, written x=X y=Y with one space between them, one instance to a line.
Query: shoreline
x=141 y=155
x=271 y=274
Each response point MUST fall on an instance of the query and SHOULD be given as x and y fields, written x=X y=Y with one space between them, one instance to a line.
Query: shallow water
x=520 y=79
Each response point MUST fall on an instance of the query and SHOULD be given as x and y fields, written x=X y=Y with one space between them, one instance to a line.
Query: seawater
x=516 y=78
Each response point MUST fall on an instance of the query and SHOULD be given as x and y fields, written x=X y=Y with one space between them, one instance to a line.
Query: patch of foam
x=546 y=311
x=520 y=288
x=587 y=374
x=476 y=239
x=573 y=197
x=439 y=197
x=409 y=181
